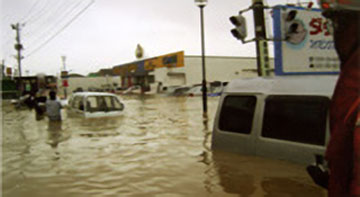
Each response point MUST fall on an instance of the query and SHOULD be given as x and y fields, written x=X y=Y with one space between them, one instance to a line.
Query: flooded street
x=160 y=147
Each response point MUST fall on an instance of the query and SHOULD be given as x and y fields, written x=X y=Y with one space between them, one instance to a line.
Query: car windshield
x=103 y=103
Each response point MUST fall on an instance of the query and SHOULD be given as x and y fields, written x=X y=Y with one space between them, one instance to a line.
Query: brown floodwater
x=160 y=147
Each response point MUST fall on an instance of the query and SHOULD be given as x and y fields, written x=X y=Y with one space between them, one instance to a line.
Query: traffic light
x=290 y=24
x=339 y=4
x=294 y=31
x=240 y=31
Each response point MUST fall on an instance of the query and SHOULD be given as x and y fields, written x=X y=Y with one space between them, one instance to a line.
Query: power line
x=38 y=15
x=63 y=28
x=39 y=33
x=48 y=29
x=48 y=32
x=45 y=13
x=30 y=10
x=44 y=32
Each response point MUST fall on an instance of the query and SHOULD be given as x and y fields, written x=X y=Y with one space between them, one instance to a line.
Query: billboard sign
x=170 y=60
x=308 y=48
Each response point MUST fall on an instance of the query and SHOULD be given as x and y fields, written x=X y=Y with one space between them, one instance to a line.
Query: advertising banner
x=168 y=60
x=309 y=48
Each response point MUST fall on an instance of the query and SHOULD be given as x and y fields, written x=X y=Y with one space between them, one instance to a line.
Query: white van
x=95 y=104
x=280 y=117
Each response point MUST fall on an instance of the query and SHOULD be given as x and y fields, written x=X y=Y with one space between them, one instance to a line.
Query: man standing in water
x=343 y=151
x=53 y=111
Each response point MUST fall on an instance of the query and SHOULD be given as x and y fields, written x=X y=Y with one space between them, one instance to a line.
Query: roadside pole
x=204 y=88
x=262 y=52
x=64 y=76
x=18 y=46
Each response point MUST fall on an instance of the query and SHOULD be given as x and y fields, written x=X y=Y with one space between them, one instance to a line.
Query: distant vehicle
x=281 y=117
x=194 y=91
x=132 y=89
x=213 y=89
x=95 y=104
x=181 y=91
x=169 y=89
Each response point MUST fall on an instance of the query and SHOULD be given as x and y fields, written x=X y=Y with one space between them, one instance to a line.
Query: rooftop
x=304 y=85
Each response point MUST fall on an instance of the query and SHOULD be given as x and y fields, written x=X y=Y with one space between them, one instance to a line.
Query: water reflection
x=161 y=146
x=206 y=154
x=254 y=176
x=280 y=186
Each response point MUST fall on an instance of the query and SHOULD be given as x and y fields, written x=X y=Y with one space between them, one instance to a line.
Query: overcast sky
x=95 y=34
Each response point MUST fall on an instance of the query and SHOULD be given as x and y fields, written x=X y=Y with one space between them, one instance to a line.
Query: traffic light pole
x=262 y=52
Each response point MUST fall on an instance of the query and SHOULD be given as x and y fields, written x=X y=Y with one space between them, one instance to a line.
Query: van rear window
x=296 y=118
x=237 y=114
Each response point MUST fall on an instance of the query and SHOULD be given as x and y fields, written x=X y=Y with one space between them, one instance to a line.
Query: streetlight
x=201 y=4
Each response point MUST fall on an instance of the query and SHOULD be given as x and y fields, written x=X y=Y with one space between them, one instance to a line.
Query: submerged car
x=95 y=104
x=282 y=117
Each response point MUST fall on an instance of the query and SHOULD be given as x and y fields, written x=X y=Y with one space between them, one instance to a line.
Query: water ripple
x=160 y=147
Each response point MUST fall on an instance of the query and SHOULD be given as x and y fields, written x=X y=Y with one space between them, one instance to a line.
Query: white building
x=87 y=83
x=218 y=68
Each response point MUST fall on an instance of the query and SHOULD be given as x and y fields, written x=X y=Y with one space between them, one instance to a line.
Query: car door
x=235 y=123
x=77 y=106
x=294 y=127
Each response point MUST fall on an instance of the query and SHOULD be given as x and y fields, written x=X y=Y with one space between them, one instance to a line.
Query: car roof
x=306 y=85
x=93 y=94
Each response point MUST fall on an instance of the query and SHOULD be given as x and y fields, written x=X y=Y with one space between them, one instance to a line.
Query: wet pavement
x=160 y=147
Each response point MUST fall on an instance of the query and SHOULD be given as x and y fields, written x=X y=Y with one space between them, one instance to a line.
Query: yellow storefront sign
x=168 y=60
x=119 y=70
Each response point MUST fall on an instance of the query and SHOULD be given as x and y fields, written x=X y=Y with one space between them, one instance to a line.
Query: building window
x=237 y=114
x=296 y=118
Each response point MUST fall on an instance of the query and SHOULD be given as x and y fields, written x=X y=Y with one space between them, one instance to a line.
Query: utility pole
x=63 y=59
x=262 y=52
x=2 y=69
x=18 y=46
x=64 y=76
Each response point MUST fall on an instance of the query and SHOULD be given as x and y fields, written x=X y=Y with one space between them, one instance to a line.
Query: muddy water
x=160 y=147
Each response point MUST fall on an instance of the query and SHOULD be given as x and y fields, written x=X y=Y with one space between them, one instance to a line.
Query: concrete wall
x=218 y=68
x=87 y=82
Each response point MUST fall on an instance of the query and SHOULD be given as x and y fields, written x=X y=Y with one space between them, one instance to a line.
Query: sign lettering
x=314 y=49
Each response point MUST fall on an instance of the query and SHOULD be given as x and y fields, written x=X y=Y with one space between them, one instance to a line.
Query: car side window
x=116 y=104
x=91 y=104
x=76 y=102
x=108 y=102
x=296 y=118
x=237 y=114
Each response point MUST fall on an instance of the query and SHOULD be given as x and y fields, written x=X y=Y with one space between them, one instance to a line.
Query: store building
x=173 y=69
x=176 y=69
